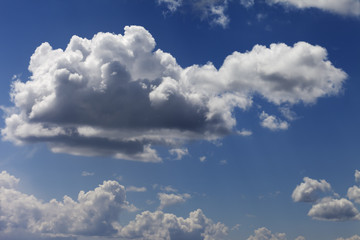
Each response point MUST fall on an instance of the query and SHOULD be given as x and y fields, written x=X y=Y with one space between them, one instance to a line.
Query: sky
x=180 y=119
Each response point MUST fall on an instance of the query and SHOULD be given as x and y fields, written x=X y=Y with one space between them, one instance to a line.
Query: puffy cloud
x=179 y=152
x=93 y=213
x=7 y=180
x=334 y=210
x=272 y=122
x=114 y=95
x=354 y=194
x=355 y=237
x=357 y=175
x=172 y=199
x=135 y=189
x=265 y=234
x=164 y=226
x=343 y=7
x=308 y=191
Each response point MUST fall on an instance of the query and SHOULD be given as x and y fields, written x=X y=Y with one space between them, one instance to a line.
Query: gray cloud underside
x=115 y=95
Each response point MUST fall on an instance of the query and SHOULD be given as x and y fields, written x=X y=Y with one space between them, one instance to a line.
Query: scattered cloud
x=236 y=227
x=223 y=162
x=343 y=7
x=202 y=158
x=136 y=189
x=94 y=213
x=179 y=152
x=172 y=199
x=357 y=175
x=272 y=122
x=309 y=190
x=86 y=174
x=244 y=133
x=265 y=234
x=113 y=95
x=208 y=10
x=355 y=237
x=334 y=210
x=160 y=226
x=354 y=194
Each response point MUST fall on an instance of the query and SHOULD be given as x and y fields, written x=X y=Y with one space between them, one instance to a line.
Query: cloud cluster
x=94 y=213
x=114 y=95
x=272 y=122
x=164 y=226
x=343 y=7
x=167 y=199
x=265 y=234
x=330 y=208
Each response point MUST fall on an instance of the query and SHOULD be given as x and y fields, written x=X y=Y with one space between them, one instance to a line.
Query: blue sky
x=170 y=119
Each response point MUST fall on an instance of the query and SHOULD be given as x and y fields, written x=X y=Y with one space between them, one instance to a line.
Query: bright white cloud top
x=115 y=95
x=94 y=213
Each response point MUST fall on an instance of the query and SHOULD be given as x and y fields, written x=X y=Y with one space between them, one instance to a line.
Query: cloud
x=334 y=210
x=135 y=189
x=114 y=95
x=272 y=122
x=179 y=152
x=172 y=199
x=343 y=7
x=355 y=237
x=308 y=191
x=354 y=194
x=265 y=234
x=357 y=175
x=164 y=226
x=94 y=213
x=86 y=174
x=244 y=133
x=209 y=10
x=202 y=158
x=7 y=180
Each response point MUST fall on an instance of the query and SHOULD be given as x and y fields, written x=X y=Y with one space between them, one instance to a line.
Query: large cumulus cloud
x=115 y=95
x=93 y=213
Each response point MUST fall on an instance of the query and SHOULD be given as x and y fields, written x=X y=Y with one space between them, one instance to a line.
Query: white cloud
x=272 y=122
x=86 y=174
x=223 y=162
x=209 y=10
x=300 y=238
x=7 y=180
x=357 y=175
x=172 y=199
x=136 y=189
x=164 y=226
x=202 y=158
x=334 y=210
x=343 y=7
x=309 y=190
x=265 y=234
x=244 y=133
x=114 y=95
x=179 y=152
x=354 y=194
x=172 y=5
x=94 y=213
x=355 y=237
x=247 y=3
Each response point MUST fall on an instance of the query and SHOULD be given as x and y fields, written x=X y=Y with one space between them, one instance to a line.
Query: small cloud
x=172 y=199
x=179 y=152
x=244 y=133
x=223 y=162
x=202 y=159
x=236 y=227
x=273 y=123
x=136 y=189
x=87 y=174
x=260 y=17
x=357 y=175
